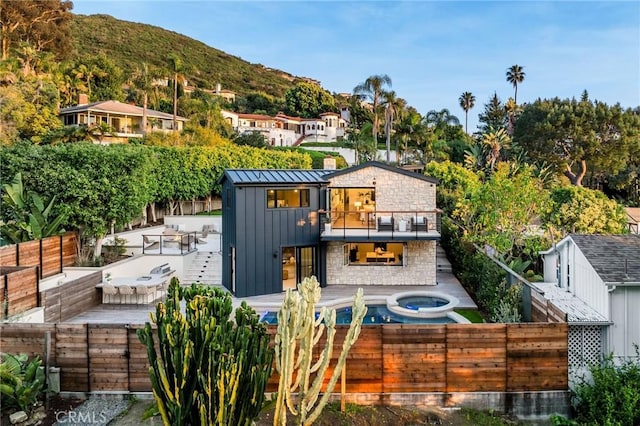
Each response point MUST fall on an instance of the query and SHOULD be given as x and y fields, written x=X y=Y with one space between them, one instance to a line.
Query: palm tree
x=515 y=75
x=87 y=73
x=513 y=111
x=496 y=142
x=143 y=82
x=467 y=102
x=373 y=88
x=176 y=67
x=409 y=130
x=392 y=108
x=441 y=119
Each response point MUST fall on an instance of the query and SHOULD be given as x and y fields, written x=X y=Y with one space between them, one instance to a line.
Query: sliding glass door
x=298 y=263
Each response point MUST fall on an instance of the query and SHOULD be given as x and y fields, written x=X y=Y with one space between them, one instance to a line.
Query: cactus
x=208 y=369
x=298 y=333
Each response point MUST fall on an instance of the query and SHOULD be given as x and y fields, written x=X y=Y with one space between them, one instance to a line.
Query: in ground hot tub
x=422 y=304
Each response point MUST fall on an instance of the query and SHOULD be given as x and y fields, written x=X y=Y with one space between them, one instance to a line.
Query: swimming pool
x=376 y=314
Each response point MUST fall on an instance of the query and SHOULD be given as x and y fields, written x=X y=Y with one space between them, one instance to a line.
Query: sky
x=433 y=51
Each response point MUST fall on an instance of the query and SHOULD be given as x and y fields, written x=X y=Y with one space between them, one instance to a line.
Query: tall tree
x=494 y=116
x=441 y=119
x=577 y=136
x=308 y=100
x=409 y=130
x=467 y=102
x=87 y=73
x=372 y=88
x=177 y=69
x=392 y=108
x=513 y=110
x=44 y=24
x=143 y=82
x=515 y=76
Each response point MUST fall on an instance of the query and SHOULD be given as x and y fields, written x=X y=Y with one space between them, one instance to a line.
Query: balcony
x=378 y=225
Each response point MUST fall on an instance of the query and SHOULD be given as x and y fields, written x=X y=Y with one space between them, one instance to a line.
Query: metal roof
x=615 y=258
x=274 y=177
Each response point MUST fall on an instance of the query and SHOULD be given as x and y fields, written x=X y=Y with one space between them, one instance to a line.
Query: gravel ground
x=95 y=412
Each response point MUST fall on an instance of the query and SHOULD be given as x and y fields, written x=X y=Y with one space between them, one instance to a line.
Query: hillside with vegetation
x=128 y=44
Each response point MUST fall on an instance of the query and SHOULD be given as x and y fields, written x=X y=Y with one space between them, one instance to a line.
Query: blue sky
x=432 y=50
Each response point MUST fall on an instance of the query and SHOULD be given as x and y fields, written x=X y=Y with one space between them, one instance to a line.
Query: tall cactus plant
x=298 y=333
x=209 y=368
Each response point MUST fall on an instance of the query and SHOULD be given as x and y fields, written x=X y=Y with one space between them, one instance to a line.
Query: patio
x=132 y=314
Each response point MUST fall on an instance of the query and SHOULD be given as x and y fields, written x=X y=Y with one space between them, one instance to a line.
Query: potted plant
x=327 y=222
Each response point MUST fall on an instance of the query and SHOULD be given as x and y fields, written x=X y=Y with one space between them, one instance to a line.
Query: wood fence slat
x=407 y=358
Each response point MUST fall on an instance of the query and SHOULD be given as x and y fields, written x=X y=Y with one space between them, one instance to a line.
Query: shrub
x=21 y=382
x=611 y=396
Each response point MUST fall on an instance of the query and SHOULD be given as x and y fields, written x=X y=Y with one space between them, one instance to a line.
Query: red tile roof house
x=284 y=130
x=124 y=119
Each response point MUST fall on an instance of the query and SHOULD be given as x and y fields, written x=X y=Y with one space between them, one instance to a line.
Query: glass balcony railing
x=179 y=243
x=396 y=223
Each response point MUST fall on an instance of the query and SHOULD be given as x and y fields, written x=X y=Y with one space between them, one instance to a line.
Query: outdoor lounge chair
x=419 y=223
x=385 y=223
x=150 y=244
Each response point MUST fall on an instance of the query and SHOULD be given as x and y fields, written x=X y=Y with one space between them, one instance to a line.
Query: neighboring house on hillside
x=124 y=119
x=284 y=130
x=383 y=228
x=228 y=95
x=633 y=219
x=597 y=278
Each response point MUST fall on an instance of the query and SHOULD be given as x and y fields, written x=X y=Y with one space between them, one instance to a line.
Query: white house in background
x=284 y=130
x=598 y=276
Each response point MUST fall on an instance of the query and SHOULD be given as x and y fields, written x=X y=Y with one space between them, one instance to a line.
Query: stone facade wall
x=420 y=267
x=394 y=191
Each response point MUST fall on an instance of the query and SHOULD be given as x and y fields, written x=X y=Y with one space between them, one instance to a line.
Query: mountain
x=129 y=44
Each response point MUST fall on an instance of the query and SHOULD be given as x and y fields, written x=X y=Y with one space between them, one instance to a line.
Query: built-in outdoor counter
x=137 y=290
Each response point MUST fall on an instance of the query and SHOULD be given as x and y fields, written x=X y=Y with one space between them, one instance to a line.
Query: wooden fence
x=23 y=265
x=18 y=289
x=50 y=254
x=385 y=359
x=73 y=298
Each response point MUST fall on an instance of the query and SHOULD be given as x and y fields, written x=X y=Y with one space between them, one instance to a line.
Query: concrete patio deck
x=132 y=314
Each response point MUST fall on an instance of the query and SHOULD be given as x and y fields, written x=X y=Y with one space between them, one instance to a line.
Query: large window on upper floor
x=287 y=198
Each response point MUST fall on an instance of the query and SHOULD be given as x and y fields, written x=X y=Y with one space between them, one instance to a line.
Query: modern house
x=371 y=224
x=601 y=275
x=124 y=119
x=284 y=130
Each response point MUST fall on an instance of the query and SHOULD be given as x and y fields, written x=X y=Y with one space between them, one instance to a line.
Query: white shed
x=603 y=271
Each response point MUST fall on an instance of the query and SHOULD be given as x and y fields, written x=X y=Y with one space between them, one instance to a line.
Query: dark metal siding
x=260 y=234
x=228 y=230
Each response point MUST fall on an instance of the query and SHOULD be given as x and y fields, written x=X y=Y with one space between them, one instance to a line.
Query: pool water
x=416 y=302
x=376 y=314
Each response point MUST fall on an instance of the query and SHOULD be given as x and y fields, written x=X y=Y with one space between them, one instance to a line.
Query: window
x=375 y=254
x=287 y=198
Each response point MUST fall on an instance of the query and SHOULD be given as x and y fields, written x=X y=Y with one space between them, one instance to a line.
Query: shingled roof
x=615 y=258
